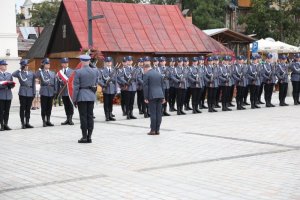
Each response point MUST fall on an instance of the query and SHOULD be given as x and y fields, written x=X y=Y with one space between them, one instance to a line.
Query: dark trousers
x=187 y=96
x=140 y=100
x=69 y=109
x=4 y=111
x=254 y=90
x=211 y=95
x=172 y=97
x=225 y=93
x=46 y=106
x=167 y=94
x=25 y=106
x=203 y=95
x=155 y=109
x=231 y=91
x=268 y=87
x=123 y=100
x=296 y=90
x=180 y=97
x=108 y=102
x=129 y=96
x=245 y=93
x=283 y=88
x=196 y=95
x=86 y=114
x=240 y=93
x=260 y=91
x=217 y=96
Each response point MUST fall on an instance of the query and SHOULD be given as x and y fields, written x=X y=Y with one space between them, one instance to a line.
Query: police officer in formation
x=122 y=84
x=295 y=78
x=216 y=63
x=6 y=84
x=165 y=73
x=240 y=80
x=269 y=78
x=65 y=72
x=84 y=96
x=47 y=91
x=254 y=79
x=225 y=83
x=261 y=78
x=283 y=79
x=203 y=92
x=108 y=82
x=26 y=92
x=139 y=91
x=188 y=92
x=172 y=90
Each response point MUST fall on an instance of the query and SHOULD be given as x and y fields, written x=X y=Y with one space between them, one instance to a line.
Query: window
x=64 y=31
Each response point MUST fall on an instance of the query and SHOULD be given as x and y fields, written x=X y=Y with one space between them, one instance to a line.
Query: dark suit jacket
x=153 y=85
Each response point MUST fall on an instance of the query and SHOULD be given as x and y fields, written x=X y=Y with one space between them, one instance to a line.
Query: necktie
x=65 y=71
x=4 y=74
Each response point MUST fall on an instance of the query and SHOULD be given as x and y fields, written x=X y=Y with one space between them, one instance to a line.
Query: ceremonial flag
x=70 y=82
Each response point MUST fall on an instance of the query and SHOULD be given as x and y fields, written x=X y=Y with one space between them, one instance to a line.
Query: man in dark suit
x=154 y=97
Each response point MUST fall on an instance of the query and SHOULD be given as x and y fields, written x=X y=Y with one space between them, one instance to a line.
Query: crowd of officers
x=185 y=80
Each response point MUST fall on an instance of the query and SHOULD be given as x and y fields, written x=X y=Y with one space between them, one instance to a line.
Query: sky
x=21 y=2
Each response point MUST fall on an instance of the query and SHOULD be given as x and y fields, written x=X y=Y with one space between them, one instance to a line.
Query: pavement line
x=243 y=140
x=214 y=160
x=52 y=183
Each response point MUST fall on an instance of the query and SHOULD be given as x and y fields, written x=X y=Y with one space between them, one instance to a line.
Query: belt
x=85 y=87
x=47 y=85
x=26 y=86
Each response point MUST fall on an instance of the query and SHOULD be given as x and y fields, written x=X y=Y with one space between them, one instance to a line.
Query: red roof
x=139 y=28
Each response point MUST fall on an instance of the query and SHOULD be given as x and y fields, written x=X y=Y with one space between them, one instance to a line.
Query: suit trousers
x=225 y=93
x=240 y=93
x=260 y=91
x=129 y=99
x=254 y=93
x=196 y=95
x=187 y=96
x=218 y=94
x=203 y=95
x=108 y=102
x=123 y=100
x=296 y=90
x=268 y=87
x=283 y=88
x=155 y=109
x=25 y=106
x=246 y=92
x=211 y=95
x=69 y=109
x=166 y=93
x=231 y=91
x=46 y=106
x=172 y=96
x=86 y=109
x=4 y=111
x=180 y=97
x=140 y=99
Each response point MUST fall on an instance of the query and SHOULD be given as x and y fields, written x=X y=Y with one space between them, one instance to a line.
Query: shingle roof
x=139 y=28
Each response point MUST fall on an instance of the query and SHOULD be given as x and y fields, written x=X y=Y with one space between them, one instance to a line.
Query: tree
x=44 y=13
x=19 y=18
x=163 y=2
x=273 y=18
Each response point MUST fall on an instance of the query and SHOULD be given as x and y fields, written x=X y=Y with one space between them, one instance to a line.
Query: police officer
x=261 y=86
x=269 y=78
x=224 y=81
x=130 y=76
x=139 y=91
x=231 y=82
x=201 y=60
x=172 y=90
x=122 y=83
x=283 y=79
x=188 y=92
x=84 y=96
x=216 y=65
x=163 y=70
x=6 y=84
x=108 y=82
x=196 y=84
x=26 y=92
x=211 y=79
x=62 y=78
x=240 y=79
x=179 y=79
x=254 y=81
x=247 y=88
x=295 y=78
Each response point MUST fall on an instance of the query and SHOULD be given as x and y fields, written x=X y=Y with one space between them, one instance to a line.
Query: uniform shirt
x=27 y=82
x=179 y=77
x=268 y=73
x=239 y=75
x=295 y=68
x=108 y=80
x=67 y=71
x=211 y=76
x=253 y=75
x=48 y=82
x=282 y=73
x=5 y=92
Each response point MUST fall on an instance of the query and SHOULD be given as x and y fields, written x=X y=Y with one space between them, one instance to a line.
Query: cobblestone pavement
x=245 y=155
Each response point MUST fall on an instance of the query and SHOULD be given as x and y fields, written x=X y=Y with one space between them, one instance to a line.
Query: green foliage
x=44 y=13
x=277 y=21
x=163 y=2
x=19 y=18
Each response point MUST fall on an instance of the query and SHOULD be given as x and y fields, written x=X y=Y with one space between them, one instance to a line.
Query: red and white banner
x=70 y=82
x=62 y=76
x=7 y=83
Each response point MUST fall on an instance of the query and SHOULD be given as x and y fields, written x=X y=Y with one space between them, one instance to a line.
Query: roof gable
x=138 y=28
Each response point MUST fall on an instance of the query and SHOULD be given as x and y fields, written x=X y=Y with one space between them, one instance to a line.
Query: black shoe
x=141 y=112
x=166 y=114
x=186 y=108
x=146 y=115
x=65 y=122
x=112 y=115
x=217 y=106
x=285 y=104
x=183 y=113
x=231 y=105
x=83 y=140
x=256 y=106
x=198 y=111
x=23 y=126
x=246 y=103
x=204 y=107
x=2 y=127
x=124 y=113
x=71 y=120
x=260 y=102
x=228 y=109
x=131 y=116
x=214 y=110
x=48 y=123
x=44 y=124
x=189 y=108
x=111 y=118
x=268 y=105
x=89 y=136
x=178 y=112
x=6 y=127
